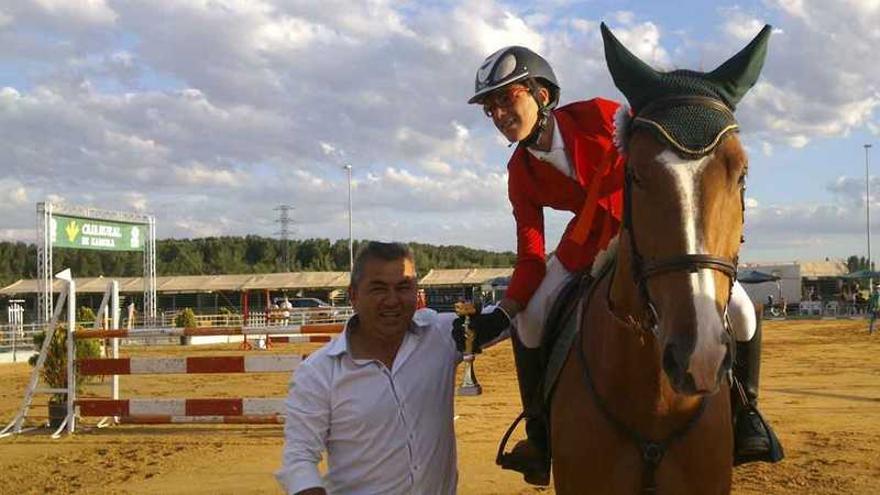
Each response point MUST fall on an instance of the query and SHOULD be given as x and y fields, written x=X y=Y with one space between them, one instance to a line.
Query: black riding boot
x=754 y=440
x=531 y=456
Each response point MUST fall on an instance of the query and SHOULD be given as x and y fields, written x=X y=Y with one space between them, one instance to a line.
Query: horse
x=642 y=402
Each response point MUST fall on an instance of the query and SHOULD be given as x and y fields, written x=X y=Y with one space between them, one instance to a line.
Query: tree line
x=856 y=263
x=231 y=255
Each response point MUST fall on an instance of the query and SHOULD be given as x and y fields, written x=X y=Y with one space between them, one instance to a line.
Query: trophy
x=469 y=384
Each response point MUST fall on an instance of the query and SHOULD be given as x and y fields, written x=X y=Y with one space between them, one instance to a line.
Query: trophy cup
x=469 y=384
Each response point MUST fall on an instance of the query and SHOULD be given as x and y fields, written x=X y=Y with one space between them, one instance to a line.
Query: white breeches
x=742 y=314
x=529 y=323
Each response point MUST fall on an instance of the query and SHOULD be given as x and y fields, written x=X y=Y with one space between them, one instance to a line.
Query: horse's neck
x=628 y=367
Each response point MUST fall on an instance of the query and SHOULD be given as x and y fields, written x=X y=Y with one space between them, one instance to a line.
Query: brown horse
x=642 y=402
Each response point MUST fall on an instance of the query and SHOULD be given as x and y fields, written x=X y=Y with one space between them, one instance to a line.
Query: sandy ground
x=820 y=386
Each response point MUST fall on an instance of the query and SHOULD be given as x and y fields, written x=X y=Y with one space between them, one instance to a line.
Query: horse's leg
x=569 y=416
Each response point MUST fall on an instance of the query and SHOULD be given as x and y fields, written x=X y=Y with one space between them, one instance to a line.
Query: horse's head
x=684 y=203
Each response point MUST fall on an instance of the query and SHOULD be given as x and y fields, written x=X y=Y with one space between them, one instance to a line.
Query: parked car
x=311 y=308
x=308 y=302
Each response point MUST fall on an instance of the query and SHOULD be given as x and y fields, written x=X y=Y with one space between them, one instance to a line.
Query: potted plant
x=54 y=371
x=185 y=319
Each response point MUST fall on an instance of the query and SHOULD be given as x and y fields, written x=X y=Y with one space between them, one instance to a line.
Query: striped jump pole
x=196 y=410
x=299 y=339
x=190 y=365
x=322 y=328
x=165 y=411
x=173 y=411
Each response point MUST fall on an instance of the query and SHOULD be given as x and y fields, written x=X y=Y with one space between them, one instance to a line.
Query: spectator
x=873 y=308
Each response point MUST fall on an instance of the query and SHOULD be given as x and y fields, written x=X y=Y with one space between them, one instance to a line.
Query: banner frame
x=45 y=212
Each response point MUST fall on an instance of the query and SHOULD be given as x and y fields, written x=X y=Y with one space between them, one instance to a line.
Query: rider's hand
x=487 y=327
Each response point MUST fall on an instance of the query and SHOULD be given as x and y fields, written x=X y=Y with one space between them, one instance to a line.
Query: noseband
x=689 y=262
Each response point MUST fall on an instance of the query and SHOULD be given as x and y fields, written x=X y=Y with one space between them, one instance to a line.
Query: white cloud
x=487 y=26
x=79 y=11
x=186 y=109
x=13 y=192
x=438 y=167
x=5 y=19
x=197 y=174
x=816 y=82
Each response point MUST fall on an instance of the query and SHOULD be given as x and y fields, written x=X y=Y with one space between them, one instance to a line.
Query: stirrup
x=535 y=473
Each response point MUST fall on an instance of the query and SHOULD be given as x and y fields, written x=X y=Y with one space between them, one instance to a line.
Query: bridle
x=643 y=270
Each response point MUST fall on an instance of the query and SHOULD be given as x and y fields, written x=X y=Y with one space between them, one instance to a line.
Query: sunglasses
x=502 y=98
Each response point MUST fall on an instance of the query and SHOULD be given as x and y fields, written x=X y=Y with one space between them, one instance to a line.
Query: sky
x=209 y=114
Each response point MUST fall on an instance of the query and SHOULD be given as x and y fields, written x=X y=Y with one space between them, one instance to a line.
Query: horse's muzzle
x=692 y=373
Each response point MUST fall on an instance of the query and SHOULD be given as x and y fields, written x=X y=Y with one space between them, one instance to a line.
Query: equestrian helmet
x=512 y=64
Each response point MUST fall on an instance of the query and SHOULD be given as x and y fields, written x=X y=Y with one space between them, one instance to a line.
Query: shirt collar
x=556 y=142
x=339 y=345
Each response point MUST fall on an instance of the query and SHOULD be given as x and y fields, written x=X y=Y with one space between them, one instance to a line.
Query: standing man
x=287 y=308
x=379 y=398
x=568 y=159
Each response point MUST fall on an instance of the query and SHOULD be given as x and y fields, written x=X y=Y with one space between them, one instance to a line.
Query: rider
x=565 y=159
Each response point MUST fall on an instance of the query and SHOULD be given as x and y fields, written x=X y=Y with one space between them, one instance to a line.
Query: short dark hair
x=386 y=251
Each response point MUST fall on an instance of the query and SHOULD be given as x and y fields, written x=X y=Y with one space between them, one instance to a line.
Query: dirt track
x=820 y=386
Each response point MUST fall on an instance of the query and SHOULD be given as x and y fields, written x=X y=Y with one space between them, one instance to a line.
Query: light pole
x=868 y=207
x=350 y=238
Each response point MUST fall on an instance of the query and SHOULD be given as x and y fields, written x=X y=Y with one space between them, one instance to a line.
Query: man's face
x=513 y=111
x=385 y=297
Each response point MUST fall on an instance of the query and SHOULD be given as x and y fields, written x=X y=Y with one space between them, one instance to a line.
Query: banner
x=84 y=233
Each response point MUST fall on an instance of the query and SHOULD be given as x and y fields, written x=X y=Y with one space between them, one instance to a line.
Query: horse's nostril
x=670 y=363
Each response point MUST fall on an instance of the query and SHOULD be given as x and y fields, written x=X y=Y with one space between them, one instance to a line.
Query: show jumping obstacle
x=257 y=410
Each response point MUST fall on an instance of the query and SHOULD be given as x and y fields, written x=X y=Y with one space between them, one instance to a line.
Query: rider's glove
x=487 y=327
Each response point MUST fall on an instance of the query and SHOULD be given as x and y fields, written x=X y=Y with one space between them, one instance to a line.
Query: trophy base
x=469 y=384
x=469 y=390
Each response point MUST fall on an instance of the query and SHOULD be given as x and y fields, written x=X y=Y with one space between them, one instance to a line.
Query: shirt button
x=412 y=436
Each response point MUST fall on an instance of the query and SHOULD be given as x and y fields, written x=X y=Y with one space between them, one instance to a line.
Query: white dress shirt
x=556 y=156
x=384 y=431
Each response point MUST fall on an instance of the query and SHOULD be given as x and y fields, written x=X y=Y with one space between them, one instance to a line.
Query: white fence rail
x=17 y=340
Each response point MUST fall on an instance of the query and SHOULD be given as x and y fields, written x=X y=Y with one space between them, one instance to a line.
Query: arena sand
x=820 y=389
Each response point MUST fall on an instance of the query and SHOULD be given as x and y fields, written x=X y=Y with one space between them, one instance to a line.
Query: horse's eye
x=742 y=178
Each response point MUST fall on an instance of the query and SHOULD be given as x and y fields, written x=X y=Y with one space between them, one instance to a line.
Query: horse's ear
x=632 y=77
x=736 y=76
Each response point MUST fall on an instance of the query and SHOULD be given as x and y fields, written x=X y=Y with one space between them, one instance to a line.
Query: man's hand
x=486 y=328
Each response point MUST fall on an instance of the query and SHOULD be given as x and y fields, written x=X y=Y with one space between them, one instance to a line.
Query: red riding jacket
x=587 y=129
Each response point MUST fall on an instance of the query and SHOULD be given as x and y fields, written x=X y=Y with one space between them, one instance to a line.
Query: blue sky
x=209 y=114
